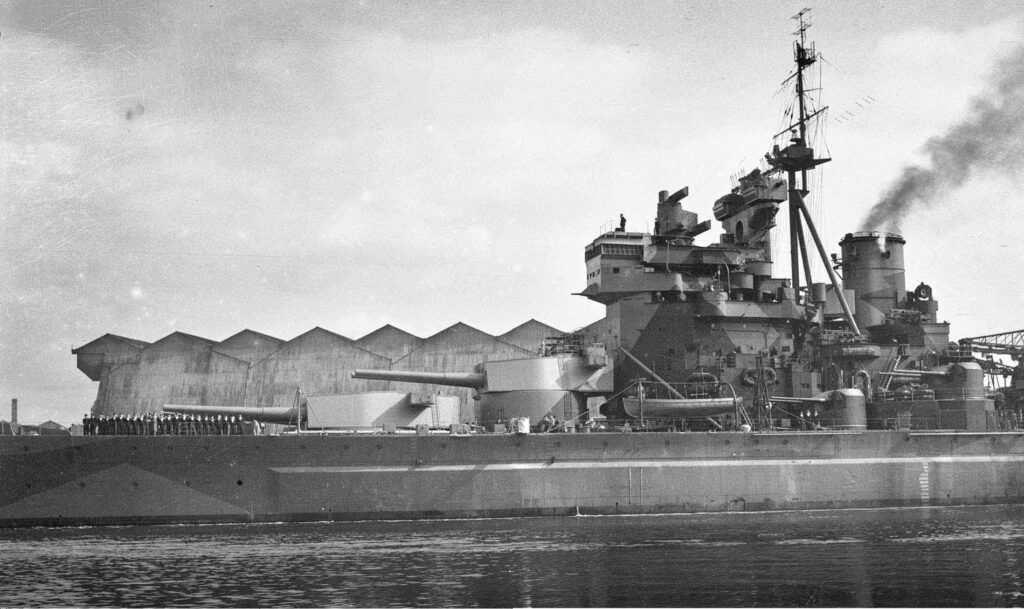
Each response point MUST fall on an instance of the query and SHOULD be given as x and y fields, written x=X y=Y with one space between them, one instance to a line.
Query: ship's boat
x=711 y=384
x=680 y=408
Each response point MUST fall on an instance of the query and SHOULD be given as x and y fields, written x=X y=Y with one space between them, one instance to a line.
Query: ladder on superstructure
x=762 y=403
x=890 y=366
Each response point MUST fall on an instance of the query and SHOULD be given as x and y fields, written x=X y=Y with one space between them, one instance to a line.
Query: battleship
x=711 y=384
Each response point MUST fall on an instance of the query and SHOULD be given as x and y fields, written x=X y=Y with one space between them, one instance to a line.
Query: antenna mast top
x=804 y=57
x=804 y=24
x=798 y=156
x=795 y=159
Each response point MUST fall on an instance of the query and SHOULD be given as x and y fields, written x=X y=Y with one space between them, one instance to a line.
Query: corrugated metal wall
x=254 y=369
x=530 y=335
x=249 y=346
x=178 y=369
x=390 y=342
x=316 y=362
x=97 y=357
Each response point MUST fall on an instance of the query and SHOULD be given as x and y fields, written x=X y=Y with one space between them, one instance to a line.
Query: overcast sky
x=214 y=166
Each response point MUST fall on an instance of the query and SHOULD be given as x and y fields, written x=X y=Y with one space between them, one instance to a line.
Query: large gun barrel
x=915 y=373
x=275 y=414
x=475 y=380
x=822 y=398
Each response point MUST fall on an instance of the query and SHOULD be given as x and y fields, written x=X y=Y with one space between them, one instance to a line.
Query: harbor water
x=887 y=557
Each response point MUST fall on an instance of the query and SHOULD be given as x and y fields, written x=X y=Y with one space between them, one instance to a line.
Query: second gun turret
x=532 y=387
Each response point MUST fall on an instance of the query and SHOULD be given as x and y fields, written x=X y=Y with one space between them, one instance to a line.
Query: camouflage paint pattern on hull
x=123 y=480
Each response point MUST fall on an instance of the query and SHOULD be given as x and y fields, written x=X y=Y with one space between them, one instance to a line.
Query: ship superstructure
x=688 y=310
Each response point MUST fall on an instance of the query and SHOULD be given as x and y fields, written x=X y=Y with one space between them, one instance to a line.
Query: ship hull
x=59 y=481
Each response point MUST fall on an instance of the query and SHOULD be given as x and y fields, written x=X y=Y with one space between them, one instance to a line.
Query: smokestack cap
x=872 y=236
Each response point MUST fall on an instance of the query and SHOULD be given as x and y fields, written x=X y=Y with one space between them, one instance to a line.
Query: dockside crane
x=984 y=349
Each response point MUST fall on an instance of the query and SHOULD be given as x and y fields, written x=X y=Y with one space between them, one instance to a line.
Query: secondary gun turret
x=838 y=409
x=962 y=380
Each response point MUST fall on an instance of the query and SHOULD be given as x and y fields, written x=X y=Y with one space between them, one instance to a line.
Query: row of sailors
x=167 y=425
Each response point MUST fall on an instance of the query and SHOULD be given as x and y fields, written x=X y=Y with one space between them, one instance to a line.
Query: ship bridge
x=614 y=260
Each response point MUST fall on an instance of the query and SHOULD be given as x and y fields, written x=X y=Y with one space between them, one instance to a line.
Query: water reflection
x=927 y=557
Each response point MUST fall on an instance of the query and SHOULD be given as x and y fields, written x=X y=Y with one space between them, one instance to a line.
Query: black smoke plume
x=990 y=139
